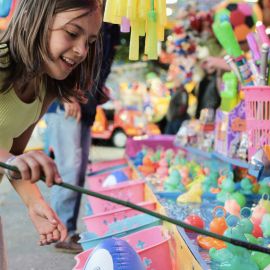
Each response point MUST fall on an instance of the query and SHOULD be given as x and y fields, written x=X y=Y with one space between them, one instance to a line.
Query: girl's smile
x=71 y=34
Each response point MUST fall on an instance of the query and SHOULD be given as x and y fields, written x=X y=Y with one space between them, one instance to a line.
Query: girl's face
x=70 y=36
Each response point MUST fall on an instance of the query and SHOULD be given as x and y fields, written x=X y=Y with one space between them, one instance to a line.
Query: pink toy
x=194 y=220
x=257 y=214
x=151 y=244
x=132 y=191
x=98 y=223
x=232 y=207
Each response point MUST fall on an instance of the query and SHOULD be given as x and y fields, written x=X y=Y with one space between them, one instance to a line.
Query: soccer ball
x=242 y=16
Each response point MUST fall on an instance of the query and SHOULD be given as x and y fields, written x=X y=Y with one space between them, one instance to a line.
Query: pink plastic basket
x=105 y=164
x=151 y=244
x=98 y=224
x=132 y=191
x=95 y=182
x=257 y=99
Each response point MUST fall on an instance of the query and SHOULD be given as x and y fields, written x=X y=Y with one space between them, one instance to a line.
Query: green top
x=15 y=115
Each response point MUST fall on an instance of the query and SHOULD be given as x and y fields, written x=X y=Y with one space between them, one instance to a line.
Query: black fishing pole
x=108 y=169
x=233 y=241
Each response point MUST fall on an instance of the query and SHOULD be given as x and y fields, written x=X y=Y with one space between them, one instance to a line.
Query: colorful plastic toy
x=239 y=197
x=218 y=224
x=265 y=225
x=232 y=207
x=119 y=125
x=246 y=186
x=245 y=223
x=229 y=96
x=232 y=257
x=114 y=254
x=174 y=183
x=146 y=19
x=261 y=259
x=194 y=220
x=193 y=195
x=115 y=178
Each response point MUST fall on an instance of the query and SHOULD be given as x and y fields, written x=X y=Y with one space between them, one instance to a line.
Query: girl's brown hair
x=27 y=39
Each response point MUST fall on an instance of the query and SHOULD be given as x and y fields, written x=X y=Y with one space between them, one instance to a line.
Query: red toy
x=194 y=220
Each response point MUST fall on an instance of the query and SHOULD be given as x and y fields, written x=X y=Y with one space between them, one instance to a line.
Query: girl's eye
x=72 y=34
x=91 y=41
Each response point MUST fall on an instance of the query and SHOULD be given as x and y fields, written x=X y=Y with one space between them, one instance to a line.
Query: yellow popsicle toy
x=132 y=9
x=161 y=9
x=142 y=5
x=151 y=34
x=134 y=40
x=121 y=8
x=146 y=17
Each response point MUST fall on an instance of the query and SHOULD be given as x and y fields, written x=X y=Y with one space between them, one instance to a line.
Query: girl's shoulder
x=4 y=56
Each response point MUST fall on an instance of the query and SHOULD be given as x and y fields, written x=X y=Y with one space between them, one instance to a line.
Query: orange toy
x=148 y=166
x=220 y=179
x=218 y=225
x=215 y=190
x=207 y=242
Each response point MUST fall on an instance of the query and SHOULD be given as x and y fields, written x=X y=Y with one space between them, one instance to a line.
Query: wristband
x=7 y=171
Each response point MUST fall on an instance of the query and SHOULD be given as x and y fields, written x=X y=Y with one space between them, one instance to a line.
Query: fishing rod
x=184 y=225
x=108 y=169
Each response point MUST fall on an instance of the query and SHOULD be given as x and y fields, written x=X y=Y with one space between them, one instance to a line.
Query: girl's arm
x=31 y=166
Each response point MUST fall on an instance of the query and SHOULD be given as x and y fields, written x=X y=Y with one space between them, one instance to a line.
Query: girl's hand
x=34 y=164
x=73 y=109
x=48 y=225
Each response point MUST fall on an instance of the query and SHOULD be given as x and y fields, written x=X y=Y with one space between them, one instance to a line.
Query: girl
x=48 y=48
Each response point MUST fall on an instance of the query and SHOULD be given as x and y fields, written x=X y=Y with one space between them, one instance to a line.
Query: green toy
x=229 y=96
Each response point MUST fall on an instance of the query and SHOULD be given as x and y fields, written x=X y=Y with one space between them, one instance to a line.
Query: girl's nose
x=80 y=49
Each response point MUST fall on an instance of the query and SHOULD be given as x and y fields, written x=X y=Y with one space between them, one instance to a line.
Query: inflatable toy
x=242 y=16
x=114 y=254
x=115 y=178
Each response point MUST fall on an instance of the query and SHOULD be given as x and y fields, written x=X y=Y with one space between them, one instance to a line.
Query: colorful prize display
x=142 y=18
x=242 y=16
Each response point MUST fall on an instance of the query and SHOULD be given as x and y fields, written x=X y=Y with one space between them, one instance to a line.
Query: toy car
x=118 y=125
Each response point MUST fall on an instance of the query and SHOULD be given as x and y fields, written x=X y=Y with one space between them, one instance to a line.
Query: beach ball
x=242 y=16
x=115 y=178
x=114 y=254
